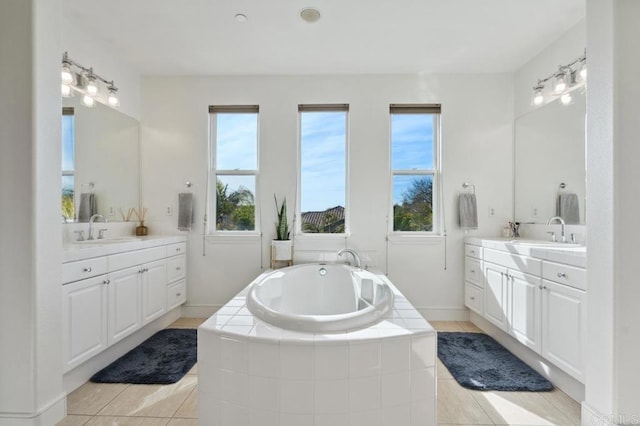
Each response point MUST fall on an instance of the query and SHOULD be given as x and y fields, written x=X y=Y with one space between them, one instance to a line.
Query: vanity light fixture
x=77 y=78
x=566 y=79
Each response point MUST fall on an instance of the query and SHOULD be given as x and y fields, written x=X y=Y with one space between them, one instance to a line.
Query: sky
x=68 y=153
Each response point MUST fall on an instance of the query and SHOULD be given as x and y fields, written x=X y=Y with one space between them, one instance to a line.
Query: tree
x=68 y=210
x=416 y=211
x=234 y=210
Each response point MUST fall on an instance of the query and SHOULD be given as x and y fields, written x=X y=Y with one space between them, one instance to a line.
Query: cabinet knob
x=178 y=268
x=544 y=287
x=540 y=287
x=472 y=298
x=473 y=271
x=472 y=252
x=178 y=249
x=107 y=282
x=87 y=269
x=178 y=294
x=562 y=275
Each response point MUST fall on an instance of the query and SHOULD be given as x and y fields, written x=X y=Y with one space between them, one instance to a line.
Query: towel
x=468 y=211
x=568 y=208
x=185 y=211
x=87 y=207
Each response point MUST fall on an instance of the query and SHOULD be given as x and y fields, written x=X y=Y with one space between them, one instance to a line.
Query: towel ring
x=466 y=185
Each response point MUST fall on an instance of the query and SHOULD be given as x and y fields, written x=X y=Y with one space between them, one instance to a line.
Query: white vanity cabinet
x=129 y=290
x=176 y=272
x=538 y=302
x=474 y=279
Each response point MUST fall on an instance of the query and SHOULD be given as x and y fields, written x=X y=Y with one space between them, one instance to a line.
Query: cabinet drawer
x=473 y=271
x=524 y=264
x=75 y=271
x=473 y=251
x=564 y=274
x=177 y=248
x=176 y=294
x=176 y=268
x=473 y=298
x=134 y=258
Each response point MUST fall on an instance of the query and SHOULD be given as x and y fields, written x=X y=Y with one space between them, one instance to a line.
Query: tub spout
x=352 y=252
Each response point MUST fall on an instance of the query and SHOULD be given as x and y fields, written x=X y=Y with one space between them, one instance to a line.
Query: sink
x=542 y=243
x=113 y=240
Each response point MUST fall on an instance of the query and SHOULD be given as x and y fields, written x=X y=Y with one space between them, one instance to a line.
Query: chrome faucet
x=352 y=252
x=561 y=221
x=93 y=219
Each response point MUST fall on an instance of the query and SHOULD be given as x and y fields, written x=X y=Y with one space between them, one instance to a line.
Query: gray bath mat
x=478 y=362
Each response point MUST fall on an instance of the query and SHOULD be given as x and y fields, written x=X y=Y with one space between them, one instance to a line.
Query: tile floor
x=176 y=404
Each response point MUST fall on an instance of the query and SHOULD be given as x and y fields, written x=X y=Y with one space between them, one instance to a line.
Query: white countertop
x=73 y=251
x=570 y=254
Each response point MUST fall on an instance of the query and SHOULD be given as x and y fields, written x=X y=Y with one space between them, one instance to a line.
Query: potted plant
x=281 y=245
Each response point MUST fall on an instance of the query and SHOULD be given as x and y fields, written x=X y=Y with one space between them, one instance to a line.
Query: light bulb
x=92 y=85
x=66 y=75
x=559 y=83
x=65 y=89
x=113 y=97
x=88 y=101
x=538 y=96
x=566 y=99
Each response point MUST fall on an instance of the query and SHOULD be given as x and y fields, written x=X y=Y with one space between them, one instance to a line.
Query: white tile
x=423 y=413
x=416 y=324
x=236 y=331
x=210 y=411
x=234 y=354
x=209 y=348
x=397 y=415
x=263 y=392
x=423 y=384
x=240 y=320
x=395 y=355
x=395 y=388
x=267 y=332
x=263 y=418
x=292 y=419
x=244 y=311
x=364 y=334
x=366 y=418
x=331 y=396
x=233 y=415
x=217 y=320
x=423 y=352
x=331 y=361
x=234 y=387
x=364 y=359
x=364 y=393
x=296 y=396
x=409 y=313
x=296 y=361
x=236 y=301
x=209 y=383
x=228 y=310
x=296 y=337
x=341 y=419
x=264 y=359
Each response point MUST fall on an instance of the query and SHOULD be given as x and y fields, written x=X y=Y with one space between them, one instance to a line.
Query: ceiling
x=202 y=37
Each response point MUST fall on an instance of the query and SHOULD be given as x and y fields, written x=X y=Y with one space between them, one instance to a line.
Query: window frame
x=303 y=108
x=435 y=172
x=213 y=172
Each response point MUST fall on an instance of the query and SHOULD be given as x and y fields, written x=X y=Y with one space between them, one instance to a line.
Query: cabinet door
x=154 y=290
x=525 y=323
x=495 y=295
x=124 y=303
x=564 y=321
x=84 y=308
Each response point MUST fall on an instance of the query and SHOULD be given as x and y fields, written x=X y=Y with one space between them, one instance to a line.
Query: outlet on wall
x=492 y=211
x=111 y=211
x=169 y=211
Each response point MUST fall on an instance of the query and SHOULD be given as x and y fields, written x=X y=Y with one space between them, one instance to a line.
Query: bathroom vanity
x=113 y=289
x=534 y=292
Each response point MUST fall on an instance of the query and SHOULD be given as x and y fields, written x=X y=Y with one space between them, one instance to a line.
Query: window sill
x=233 y=238
x=419 y=238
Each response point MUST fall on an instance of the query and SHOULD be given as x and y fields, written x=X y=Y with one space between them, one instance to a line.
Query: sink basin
x=542 y=243
x=113 y=240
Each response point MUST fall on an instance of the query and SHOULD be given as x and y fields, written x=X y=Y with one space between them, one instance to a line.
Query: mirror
x=550 y=160
x=100 y=156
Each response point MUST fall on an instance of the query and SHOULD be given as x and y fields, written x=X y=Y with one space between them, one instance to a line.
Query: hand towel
x=87 y=207
x=568 y=208
x=468 y=211
x=185 y=211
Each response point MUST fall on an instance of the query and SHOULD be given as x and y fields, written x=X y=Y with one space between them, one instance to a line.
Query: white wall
x=476 y=131
x=84 y=48
x=30 y=259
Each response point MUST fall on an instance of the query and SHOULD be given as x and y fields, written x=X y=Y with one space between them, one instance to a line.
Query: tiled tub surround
x=253 y=373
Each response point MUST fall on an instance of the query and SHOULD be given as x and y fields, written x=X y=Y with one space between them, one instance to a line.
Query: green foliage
x=416 y=211
x=68 y=209
x=235 y=211
x=282 y=226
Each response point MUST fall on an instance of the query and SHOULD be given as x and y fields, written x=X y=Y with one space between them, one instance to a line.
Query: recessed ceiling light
x=310 y=14
x=240 y=17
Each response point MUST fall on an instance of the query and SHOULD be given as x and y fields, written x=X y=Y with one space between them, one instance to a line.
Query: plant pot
x=281 y=250
x=142 y=230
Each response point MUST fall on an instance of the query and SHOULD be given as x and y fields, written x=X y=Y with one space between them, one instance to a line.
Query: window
x=68 y=164
x=414 y=166
x=323 y=171
x=234 y=167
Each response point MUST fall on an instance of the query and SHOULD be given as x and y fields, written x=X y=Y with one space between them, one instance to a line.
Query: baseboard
x=444 y=314
x=199 y=311
x=555 y=375
x=50 y=414
x=81 y=374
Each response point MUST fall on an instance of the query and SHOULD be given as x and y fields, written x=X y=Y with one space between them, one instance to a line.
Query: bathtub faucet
x=352 y=252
